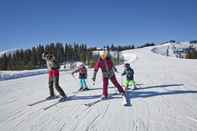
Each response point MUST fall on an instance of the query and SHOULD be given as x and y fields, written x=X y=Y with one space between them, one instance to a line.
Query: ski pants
x=83 y=83
x=128 y=83
x=55 y=80
x=114 y=81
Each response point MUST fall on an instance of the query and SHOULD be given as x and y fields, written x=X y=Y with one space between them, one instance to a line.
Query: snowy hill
x=165 y=100
x=177 y=49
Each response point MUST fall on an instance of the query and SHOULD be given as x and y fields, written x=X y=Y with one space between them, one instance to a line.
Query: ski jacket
x=51 y=62
x=129 y=72
x=82 y=72
x=106 y=66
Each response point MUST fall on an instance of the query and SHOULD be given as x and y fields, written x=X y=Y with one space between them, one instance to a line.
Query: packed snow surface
x=165 y=101
x=8 y=75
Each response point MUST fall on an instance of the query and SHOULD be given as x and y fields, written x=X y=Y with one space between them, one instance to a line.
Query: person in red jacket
x=107 y=68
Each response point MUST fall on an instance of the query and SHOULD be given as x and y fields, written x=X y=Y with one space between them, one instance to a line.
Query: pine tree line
x=127 y=47
x=119 y=47
x=26 y=59
x=31 y=58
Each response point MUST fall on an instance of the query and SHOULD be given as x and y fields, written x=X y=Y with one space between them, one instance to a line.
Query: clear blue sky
x=24 y=23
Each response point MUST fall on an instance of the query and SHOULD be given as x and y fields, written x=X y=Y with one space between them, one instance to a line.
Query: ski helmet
x=81 y=65
x=127 y=65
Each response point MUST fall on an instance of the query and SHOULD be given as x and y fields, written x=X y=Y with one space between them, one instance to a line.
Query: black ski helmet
x=127 y=65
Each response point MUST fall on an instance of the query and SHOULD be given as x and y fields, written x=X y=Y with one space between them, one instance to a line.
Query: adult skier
x=129 y=72
x=53 y=72
x=105 y=63
x=82 y=76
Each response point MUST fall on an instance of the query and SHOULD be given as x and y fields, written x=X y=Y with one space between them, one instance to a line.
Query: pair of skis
x=90 y=104
x=43 y=100
x=70 y=98
x=59 y=101
x=54 y=104
x=99 y=100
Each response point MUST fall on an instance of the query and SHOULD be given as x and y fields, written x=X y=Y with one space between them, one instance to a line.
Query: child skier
x=82 y=76
x=129 y=72
x=107 y=68
x=53 y=71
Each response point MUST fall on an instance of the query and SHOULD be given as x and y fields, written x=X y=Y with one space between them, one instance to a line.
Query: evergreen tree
x=4 y=62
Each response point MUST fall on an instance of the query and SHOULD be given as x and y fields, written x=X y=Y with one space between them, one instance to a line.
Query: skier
x=105 y=63
x=53 y=71
x=82 y=76
x=129 y=72
x=167 y=51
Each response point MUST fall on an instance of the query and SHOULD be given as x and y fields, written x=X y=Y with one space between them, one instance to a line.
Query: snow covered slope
x=166 y=100
x=173 y=49
x=162 y=49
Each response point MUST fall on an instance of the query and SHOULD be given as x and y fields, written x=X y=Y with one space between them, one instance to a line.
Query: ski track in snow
x=165 y=102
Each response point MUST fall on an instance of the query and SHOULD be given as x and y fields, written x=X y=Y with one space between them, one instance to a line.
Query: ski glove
x=93 y=78
x=115 y=69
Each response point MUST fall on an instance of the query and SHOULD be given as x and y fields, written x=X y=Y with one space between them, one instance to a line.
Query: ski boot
x=51 y=97
x=85 y=89
x=103 y=97
x=126 y=100
x=135 y=87
x=63 y=99
x=80 y=89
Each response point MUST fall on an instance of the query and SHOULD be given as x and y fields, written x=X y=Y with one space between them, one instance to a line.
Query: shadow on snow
x=139 y=93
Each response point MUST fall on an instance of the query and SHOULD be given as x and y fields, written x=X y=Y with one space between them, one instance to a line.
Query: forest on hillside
x=26 y=59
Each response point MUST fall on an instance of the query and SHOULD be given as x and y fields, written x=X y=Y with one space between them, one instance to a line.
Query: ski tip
x=45 y=109
x=128 y=104
x=136 y=89
x=87 y=105
x=63 y=99
x=66 y=98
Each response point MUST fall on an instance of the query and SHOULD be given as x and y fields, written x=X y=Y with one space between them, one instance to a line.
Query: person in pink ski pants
x=107 y=68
